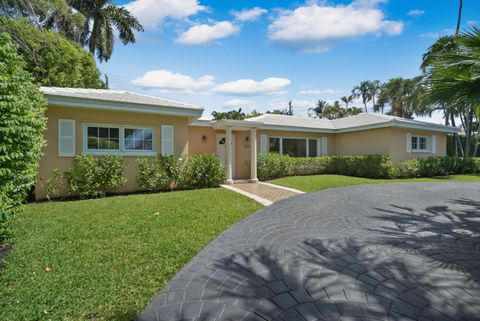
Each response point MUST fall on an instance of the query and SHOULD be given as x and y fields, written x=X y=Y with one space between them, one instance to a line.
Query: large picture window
x=295 y=147
x=123 y=139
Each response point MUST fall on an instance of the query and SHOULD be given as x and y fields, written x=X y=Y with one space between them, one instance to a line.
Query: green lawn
x=318 y=182
x=105 y=259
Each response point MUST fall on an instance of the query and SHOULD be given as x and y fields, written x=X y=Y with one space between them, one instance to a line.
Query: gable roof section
x=119 y=100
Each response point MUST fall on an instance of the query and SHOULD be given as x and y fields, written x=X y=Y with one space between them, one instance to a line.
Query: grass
x=318 y=182
x=105 y=259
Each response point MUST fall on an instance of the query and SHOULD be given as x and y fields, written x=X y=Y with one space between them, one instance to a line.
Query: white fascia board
x=296 y=129
x=400 y=124
x=123 y=106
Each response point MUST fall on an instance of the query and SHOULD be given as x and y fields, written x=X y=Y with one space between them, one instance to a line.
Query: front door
x=222 y=151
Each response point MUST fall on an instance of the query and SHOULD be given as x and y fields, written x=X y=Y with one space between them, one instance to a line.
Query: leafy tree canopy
x=334 y=111
x=51 y=59
x=22 y=123
x=232 y=114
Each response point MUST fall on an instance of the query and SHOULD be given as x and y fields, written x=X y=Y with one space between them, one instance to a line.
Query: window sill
x=421 y=151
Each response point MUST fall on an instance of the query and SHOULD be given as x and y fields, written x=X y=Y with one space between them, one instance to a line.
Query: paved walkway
x=373 y=252
x=265 y=193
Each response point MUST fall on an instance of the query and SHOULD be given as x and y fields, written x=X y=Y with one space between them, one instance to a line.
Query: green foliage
x=335 y=111
x=232 y=114
x=22 y=123
x=273 y=165
x=403 y=96
x=158 y=174
x=51 y=59
x=203 y=171
x=436 y=166
x=92 y=177
x=52 y=186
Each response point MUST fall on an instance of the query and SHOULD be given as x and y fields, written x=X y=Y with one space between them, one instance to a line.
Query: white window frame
x=304 y=138
x=121 y=151
x=419 y=150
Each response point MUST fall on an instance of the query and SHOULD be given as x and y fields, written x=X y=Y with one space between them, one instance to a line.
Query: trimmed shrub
x=158 y=174
x=273 y=165
x=22 y=123
x=309 y=165
x=92 y=177
x=409 y=168
x=436 y=166
x=370 y=166
x=203 y=171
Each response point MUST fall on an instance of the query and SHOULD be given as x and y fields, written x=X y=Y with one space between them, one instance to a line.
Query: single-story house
x=119 y=122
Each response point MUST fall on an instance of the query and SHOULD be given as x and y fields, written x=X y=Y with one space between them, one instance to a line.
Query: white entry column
x=228 y=143
x=253 y=155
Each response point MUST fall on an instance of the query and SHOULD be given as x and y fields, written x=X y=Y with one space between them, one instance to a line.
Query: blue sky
x=261 y=54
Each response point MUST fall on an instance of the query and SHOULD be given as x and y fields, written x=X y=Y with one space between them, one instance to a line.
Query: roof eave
x=54 y=100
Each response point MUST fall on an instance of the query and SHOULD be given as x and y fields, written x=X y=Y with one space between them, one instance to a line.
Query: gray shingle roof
x=292 y=121
x=110 y=95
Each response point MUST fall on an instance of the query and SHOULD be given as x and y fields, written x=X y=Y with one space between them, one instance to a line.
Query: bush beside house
x=22 y=123
x=273 y=165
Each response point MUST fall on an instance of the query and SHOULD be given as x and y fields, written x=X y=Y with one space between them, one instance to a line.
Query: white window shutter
x=324 y=146
x=318 y=147
x=167 y=140
x=66 y=137
x=409 y=143
x=263 y=144
x=434 y=144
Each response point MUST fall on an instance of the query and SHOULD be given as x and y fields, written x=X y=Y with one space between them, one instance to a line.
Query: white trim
x=264 y=143
x=60 y=153
x=409 y=143
x=433 y=144
x=281 y=144
x=283 y=187
x=318 y=148
x=260 y=200
x=121 y=150
x=122 y=106
x=164 y=151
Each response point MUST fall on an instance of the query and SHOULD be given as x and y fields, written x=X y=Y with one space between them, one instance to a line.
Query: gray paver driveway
x=376 y=252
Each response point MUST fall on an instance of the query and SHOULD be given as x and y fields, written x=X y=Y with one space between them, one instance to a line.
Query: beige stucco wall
x=51 y=160
x=195 y=143
x=398 y=144
x=365 y=142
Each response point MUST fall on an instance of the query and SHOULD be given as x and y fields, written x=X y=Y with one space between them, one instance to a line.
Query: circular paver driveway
x=376 y=252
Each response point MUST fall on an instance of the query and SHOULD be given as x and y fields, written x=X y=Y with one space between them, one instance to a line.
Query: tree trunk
x=366 y=110
x=459 y=20
x=93 y=39
x=458 y=144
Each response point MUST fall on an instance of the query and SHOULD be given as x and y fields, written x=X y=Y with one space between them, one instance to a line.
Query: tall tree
x=232 y=114
x=347 y=100
x=101 y=17
x=403 y=96
x=459 y=19
x=319 y=108
x=374 y=87
x=51 y=59
x=363 y=91
x=453 y=79
x=22 y=123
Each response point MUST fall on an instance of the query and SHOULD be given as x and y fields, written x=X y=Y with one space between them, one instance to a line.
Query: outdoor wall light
x=247 y=139
x=204 y=138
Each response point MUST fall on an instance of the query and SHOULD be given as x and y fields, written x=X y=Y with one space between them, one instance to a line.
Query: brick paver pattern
x=271 y=193
x=377 y=252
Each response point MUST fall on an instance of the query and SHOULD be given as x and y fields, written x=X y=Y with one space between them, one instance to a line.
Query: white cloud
x=151 y=13
x=415 y=12
x=204 y=33
x=249 y=14
x=165 y=79
x=250 y=87
x=236 y=103
x=433 y=35
x=316 y=92
x=318 y=27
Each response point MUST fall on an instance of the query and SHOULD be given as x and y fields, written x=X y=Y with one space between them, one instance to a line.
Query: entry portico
x=230 y=125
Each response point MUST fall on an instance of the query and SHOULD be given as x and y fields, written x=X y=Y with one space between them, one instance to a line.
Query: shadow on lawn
x=409 y=265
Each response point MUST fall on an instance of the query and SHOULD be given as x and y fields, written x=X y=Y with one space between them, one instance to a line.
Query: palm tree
x=375 y=87
x=101 y=17
x=363 y=90
x=347 y=100
x=403 y=96
x=319 y=109
x=459 y=19
x=454 y=80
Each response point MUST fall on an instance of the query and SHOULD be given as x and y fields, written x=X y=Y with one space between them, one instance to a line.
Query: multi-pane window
x=295 y=147
x=419 y=143
x=138 y=139
x=103 y=138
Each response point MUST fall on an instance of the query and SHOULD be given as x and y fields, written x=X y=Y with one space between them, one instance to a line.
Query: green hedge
x=273 y=165
x=159 y=174
x=203 y=171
